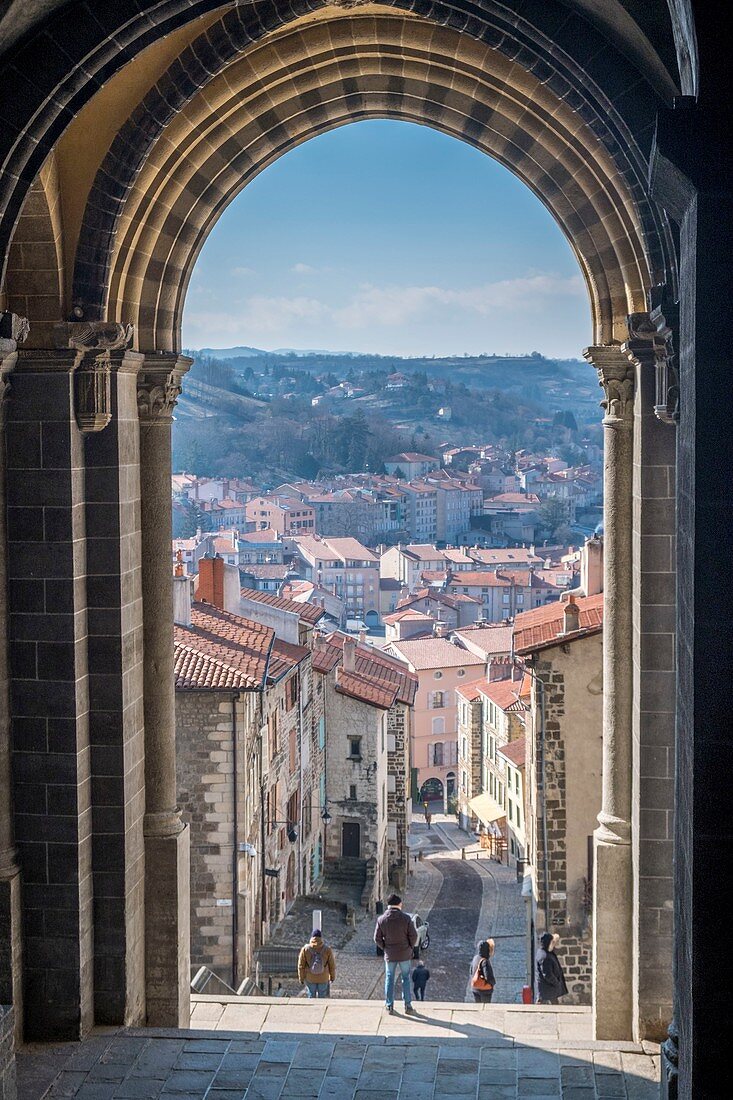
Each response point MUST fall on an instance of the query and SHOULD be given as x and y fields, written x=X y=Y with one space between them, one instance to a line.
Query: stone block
x=167 y=930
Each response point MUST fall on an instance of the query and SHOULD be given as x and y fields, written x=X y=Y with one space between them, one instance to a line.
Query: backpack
x=478 y=981
x=316 y=961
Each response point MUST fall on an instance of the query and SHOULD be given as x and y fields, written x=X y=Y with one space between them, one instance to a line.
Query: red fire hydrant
x=526 y=994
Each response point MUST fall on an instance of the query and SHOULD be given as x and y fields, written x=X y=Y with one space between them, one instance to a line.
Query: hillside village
x=355 y=648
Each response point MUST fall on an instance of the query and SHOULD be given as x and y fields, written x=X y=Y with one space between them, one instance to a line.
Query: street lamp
x=292 y=833
x=326 y=817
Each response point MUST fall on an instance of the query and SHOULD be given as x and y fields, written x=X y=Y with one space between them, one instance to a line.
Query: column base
x=11 y=958
x=612 y=939
x=168 y=930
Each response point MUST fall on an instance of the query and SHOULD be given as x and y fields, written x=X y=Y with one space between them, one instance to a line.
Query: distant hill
x=232 y=353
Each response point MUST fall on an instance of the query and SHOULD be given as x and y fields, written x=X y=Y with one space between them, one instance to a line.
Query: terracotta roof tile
x=542 y=626
x=365 y=689
x=504 y=693
x=434 y=653
x=309 y=613
x=220 y=648
x=515 y=752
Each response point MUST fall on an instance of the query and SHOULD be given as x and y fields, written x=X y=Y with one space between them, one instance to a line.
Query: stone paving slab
x=355 y=1050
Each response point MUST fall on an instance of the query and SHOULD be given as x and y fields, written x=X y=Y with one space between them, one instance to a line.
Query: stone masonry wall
x=398 y=772
x=204 y=771
x=572 y=711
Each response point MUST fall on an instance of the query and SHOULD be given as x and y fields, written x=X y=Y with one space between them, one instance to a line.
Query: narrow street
x=463 y=900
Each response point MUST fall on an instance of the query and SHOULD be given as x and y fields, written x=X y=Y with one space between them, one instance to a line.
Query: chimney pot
x=571 y=617
x=349 y=659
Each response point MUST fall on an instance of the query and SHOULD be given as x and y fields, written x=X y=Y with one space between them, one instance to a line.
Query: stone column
x=167 y=870
x=13 y=331
x=612 y=893
x=649 y=349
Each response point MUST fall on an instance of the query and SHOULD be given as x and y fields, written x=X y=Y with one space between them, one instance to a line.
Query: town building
x=441 y=668
x=345 y=567
x=284 y=515
x=513 y=756
x=367 y=698
x=234 y=677
x=562 y=649
x=503 y=594
x=410 y=464
x=502 y=721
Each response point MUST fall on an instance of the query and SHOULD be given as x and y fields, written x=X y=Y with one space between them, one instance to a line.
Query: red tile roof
x=471 y=692
x=515 y=752
x=365 y=689
x=309 y=613
x=373 y=664
x=543 y=625
x=505 y=693
x=221 y=650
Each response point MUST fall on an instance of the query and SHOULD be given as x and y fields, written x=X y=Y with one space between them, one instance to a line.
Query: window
x=438 y=725
x=292 y=750
x=352 y=792
x=438 y=754
x=437 y=700
x=461 y=672
x=272 y=730
x=355 y=748
x=291 y=692
x=438 y=675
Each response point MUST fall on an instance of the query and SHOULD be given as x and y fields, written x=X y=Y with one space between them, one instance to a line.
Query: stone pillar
x=50 y=692
x=13 y=331
x=612 y=885
x=649 y=348
x=115 y=662
x=167 y=865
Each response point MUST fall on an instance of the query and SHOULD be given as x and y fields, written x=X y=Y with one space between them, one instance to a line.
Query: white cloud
x=506 y=301
x=303 y=269
x=394 y=305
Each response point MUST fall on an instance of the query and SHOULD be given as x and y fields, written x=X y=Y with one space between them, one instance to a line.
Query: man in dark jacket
x=396 y=935
x=550 y=978
x=420 y=977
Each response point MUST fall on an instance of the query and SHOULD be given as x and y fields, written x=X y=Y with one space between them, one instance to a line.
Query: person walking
x=550 y=977
x=396 y=935
x=420 y=977
x=428 y=817
x=316 y=966
x=482 y=972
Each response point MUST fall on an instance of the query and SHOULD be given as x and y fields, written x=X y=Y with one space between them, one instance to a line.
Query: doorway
x=350 y=840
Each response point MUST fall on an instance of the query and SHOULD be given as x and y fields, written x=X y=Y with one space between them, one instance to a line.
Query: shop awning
x=486 y=809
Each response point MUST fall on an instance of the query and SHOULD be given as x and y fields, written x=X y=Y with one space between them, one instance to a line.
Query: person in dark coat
x=481 y=964
x=550 y=978
x=420 y=977
x=396 y=935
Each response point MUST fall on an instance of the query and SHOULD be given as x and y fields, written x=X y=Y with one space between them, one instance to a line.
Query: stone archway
x=231 y=100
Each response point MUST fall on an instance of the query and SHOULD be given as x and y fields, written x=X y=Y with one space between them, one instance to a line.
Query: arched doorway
x=164 y=170
x=432 y=790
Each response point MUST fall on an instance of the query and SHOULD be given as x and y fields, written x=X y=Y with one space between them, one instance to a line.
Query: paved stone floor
x=275 y=1049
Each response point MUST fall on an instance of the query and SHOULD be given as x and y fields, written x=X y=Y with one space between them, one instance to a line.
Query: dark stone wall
x=7 y=1054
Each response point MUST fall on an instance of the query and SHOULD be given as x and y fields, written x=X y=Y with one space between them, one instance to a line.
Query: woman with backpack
x=316 y=966
x=482 y=972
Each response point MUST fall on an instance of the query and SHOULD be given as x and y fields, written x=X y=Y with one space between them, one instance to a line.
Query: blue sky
x=388 y=237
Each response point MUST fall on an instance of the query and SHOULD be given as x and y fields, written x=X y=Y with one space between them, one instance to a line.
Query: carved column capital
x=651 y=347
x=616 y=377
x=93 y=342
x=159 y=386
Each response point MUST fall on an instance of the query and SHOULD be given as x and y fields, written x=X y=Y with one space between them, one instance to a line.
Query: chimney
x=440 y=629
x=349 y=661
x=571 y=617
x=591 y=566
x=211 y=580
x=362 y=637
x=181 y=594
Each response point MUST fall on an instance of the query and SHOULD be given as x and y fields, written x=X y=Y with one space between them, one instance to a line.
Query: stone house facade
x=562 y=649
x=245 y=771
x=368 y=698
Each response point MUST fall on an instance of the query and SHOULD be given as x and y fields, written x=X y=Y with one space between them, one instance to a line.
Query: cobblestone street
x=463 y=901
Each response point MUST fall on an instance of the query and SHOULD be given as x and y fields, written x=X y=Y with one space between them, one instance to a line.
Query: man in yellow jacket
x=316 y=966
